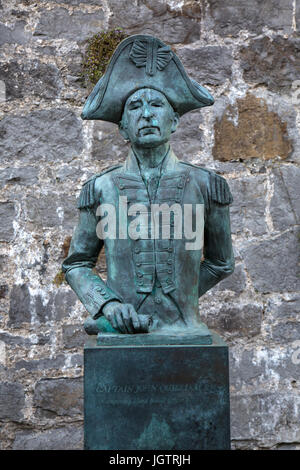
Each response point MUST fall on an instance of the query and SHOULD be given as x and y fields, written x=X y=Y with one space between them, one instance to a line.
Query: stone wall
x=246 y=53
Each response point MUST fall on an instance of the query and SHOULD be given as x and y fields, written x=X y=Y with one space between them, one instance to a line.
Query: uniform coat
x=159 y=277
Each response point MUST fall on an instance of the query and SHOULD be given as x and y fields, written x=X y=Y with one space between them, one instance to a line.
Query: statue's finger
x=135 y=319
x=127 y=319
x=120 y=323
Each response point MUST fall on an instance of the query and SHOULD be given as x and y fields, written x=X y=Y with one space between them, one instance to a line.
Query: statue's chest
x=168 y=188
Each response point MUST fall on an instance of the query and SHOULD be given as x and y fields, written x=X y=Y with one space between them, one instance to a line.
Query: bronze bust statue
x=155 y=273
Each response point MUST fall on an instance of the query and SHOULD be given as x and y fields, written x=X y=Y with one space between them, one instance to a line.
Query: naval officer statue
x=153 y=282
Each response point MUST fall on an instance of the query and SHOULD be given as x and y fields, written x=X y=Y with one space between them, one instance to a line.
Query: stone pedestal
x=158 y=397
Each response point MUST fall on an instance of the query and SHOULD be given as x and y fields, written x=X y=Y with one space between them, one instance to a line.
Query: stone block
x=12 y=400
x=237 y=320
x=158 y=19
x=247 y=212
x=259 y=57
x=210 y=65
x=273 y=264
x=187 y=141
x=236 y=282
x=19 y=309
x=109 y=146
x=14 y=35
x=7 y=214
x=30 y=79
x=285 y=207
x=67 y=437
x=58 y=397
x=73 y=336
x=268 y=418
x=78 y=26
x=232 y=16
x=250 y=130
x=25 y=176
x=43 y=135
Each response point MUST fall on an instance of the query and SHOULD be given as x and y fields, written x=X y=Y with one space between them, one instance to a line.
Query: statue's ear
x=123 y=131
x=175 y=122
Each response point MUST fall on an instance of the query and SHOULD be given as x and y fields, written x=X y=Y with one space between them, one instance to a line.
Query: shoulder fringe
x=219 y=188
x=87 y=195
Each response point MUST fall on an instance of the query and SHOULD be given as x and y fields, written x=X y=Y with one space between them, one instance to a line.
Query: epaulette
x=87 y=194
x=219 y=189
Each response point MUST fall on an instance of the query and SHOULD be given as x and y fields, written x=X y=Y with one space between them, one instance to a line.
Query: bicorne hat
x=143 y=61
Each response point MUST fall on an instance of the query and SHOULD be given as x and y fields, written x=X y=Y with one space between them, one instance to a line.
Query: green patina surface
x=153 y=282
x=158 y=397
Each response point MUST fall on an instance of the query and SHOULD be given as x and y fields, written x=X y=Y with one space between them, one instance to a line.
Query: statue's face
x=148 y=119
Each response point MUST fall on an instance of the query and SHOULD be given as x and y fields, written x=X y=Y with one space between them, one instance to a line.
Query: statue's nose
x=147 y=111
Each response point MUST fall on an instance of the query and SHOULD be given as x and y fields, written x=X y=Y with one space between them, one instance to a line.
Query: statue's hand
x=124 y=318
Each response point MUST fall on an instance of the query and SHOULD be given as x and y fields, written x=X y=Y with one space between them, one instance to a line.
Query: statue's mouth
x=145 y=130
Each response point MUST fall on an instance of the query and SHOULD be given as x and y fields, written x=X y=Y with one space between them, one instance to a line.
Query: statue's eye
x=156 y=104
x=134 y=105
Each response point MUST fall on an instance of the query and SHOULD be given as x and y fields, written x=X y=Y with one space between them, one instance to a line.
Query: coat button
x=170 y=249
x=170 y=271
x=121 y=186
x=169 y=261
x=137 y=250
x=138 y=264
x=139 y=274
x=157 y=300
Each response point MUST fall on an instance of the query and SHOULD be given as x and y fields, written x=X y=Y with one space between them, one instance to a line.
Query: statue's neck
x=150 y=157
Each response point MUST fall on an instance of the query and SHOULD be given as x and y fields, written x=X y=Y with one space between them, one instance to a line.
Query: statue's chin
x=149 y=141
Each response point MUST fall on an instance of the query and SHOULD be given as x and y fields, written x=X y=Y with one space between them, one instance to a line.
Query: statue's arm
x=218 y=260
x=78 y=266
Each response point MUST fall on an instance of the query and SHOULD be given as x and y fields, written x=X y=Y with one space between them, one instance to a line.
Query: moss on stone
x=59 y=279
x=98 y=53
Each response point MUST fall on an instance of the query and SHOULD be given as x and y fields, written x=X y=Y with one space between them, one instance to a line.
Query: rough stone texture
x=249 y=204
x=247 y=55
x=74 y=336
x=19 y=310
x=232 y=16
x=157 y=18
x=62 y=397
x=267 y=415
x=285 y=207
x=61 y=438
x=109 y=147
x=12 y=400
x=25 y=175
x=241 y=321
x=50 y=211
x=30 y=78
x=7 y=214
x=210 y=65
x=14 y=35
x=250 y=131
x=187 y=140
x=281 y=255
x=41 y=135
x=78 y=26
x=259 y=58
x=235 y=283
